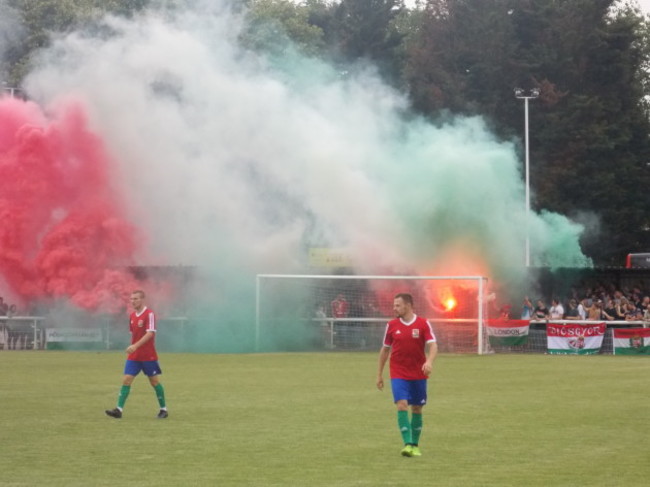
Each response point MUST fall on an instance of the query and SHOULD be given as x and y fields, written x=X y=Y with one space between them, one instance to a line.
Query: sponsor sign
x=73 y=335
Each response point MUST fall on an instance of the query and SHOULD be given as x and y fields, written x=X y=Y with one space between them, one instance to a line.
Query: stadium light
x=527 y=95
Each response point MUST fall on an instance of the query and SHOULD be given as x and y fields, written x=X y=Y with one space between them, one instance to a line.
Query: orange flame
x=450 y=303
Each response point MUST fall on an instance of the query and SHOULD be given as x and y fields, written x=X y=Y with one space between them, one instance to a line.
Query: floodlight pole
x=531 y=95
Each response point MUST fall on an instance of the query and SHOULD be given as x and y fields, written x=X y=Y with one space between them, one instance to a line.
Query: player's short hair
x=406 y=297
x=140 y=292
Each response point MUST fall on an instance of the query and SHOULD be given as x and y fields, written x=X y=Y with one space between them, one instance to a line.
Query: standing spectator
x=572 y=311
x=541 y=311
x=319 y=313
x=370 y=307
x=410 y=343
x=324 y=325
x=595 y=312
x=620 y=305
x=609 y=309
x=630 y=311
x=557 y=310
x=4 y=331
x=504 y=312
x=340 y=307
x=142 y=355
x=618 y=296
x=583 y=308
x=637 y=294
x=646 y=316
x=603 y=311
x=527 y=309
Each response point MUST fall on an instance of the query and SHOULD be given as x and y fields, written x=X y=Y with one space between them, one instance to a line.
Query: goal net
x=307 y=312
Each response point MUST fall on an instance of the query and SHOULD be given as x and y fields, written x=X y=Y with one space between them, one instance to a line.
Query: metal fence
x=37 y=333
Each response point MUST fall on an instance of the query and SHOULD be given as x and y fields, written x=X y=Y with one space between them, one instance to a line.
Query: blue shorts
x=150 y=368
x=413 y=391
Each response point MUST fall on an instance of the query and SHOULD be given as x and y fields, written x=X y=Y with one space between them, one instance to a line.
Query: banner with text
x=575 y=339
x=508 y=333
x=632 y=341
x=73 y=335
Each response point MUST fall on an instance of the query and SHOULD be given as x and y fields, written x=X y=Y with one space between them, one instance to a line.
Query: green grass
x=317 y=420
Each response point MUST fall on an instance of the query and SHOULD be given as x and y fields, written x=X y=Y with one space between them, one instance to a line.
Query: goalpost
x=302 y=312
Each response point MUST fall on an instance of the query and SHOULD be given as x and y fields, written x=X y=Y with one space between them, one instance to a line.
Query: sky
x=645 y=5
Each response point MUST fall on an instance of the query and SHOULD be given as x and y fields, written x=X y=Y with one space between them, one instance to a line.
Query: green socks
x=410 y=430
x=160 y=394
x=125 y=390
x=416 y=428
x=404 y=426
x=124 y=393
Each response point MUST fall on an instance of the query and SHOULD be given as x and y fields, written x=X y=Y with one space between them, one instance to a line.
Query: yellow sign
x=326 y=257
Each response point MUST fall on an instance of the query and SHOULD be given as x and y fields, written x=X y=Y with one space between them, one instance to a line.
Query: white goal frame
x=482 y=293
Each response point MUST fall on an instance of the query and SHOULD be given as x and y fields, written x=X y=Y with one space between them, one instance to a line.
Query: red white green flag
x=508 y=333
x=632 y=341
x=575 y=339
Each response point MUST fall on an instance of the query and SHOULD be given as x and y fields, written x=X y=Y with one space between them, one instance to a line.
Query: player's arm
x=431 y=351
x=133 y=347
x=383 y=357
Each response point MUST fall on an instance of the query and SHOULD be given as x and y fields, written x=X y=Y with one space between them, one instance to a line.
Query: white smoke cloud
x=222 y=153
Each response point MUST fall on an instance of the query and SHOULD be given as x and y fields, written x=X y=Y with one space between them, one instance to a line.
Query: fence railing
x=21 y=332
x=39 y=332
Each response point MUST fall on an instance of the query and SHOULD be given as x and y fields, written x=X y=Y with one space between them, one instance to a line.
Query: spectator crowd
x=598 y=303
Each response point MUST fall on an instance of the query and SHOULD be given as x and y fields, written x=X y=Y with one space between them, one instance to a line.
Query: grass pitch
x=317 y=420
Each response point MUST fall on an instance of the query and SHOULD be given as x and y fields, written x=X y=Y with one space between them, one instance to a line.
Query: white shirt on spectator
x=582 y=312
x=557 y=312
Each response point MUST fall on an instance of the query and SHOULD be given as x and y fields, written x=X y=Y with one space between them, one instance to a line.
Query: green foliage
x=42 y=19
x=271 y=23
x=367 y=30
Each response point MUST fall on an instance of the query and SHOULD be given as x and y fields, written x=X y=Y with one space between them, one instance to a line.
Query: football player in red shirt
x=411 y=345
x=142 y=355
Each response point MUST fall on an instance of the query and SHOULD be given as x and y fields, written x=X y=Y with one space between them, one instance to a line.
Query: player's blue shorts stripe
x=150 y=368
x=413 y=391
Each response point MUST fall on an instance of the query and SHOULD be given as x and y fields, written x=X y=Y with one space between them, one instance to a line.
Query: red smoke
x=63 y=232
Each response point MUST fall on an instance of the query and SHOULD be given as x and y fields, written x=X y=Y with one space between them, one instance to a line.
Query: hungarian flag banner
x=575 y=339
x=632 y=341
x=508 y=333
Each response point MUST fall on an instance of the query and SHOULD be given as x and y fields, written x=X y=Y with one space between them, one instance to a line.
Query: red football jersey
x=140 y=324
x=407 y=341
x=339 y=308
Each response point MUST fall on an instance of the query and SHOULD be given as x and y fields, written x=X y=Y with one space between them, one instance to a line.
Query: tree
x=367 y=30
x=589 y=128
x=270 y=23
x=40 y=19
x=461 y=57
